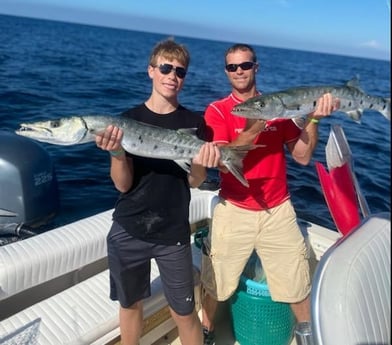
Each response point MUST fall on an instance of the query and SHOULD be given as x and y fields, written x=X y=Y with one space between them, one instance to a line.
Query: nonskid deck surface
x=223 y=332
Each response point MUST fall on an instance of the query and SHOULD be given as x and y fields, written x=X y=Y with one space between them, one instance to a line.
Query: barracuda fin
x=184 y=164
x=233 y=160
x=354 y=82
x=233 y=156
x=187 y=131
x=355 y=115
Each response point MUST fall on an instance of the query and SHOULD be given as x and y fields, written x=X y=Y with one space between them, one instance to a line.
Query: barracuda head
x=265 y=107
x=65 y=131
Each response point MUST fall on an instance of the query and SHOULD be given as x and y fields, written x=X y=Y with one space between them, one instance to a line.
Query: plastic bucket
x=257 y=319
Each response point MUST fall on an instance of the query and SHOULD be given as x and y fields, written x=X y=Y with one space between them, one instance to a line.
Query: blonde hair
x=170 y=50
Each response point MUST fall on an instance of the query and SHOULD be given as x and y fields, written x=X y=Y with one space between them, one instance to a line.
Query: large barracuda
x=300 y=101
x=139 y=139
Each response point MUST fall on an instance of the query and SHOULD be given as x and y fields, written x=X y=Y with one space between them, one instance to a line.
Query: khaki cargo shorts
x=278 y=241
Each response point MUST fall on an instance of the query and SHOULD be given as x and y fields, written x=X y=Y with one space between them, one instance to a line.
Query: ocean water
x=52 y=69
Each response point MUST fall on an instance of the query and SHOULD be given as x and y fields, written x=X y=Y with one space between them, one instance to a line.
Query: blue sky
x=346 y=27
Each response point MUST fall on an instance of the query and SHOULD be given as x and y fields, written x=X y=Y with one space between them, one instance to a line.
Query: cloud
x=371 y=44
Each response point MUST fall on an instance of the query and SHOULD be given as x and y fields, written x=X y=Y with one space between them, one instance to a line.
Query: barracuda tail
x=232 y=159
x=387 y=111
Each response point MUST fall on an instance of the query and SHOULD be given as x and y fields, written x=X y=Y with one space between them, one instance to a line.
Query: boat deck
x=223 y=331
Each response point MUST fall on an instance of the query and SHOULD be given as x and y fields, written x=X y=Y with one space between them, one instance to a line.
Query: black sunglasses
x=232 y=67
x=166 y=68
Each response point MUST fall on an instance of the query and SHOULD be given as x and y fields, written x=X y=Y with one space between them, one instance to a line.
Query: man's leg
x=301 y=310
x=177 y=276
x=209 y=307
x=208 y=311
x=189 y=328
x=131 y=324
x=233 y=231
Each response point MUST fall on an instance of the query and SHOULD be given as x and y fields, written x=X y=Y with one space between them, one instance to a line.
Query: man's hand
x=326 y=105
x=208 y=156
x=110 y=139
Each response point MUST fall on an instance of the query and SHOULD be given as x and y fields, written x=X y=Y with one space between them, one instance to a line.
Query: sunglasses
x=232 y=67
x=166 y=68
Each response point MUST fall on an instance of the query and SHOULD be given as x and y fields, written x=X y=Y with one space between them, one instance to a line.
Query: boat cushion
x=38 y=259
x=82 y=313
x=351 y=293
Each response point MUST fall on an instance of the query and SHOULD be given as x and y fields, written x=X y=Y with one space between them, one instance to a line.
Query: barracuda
x=139 y=139
x=300 y=101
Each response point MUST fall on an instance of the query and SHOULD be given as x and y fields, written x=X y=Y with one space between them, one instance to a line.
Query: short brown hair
x=170 y=50
x=243 y=47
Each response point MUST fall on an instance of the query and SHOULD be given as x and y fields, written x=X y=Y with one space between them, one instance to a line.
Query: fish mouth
x=242 y=111
x=29 y=129
x=237 y=110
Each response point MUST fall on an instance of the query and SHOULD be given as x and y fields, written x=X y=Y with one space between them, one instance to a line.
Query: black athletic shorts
x=130 y=267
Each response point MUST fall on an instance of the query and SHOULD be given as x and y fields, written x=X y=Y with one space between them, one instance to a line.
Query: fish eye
x=261 y=104
x=55 y=124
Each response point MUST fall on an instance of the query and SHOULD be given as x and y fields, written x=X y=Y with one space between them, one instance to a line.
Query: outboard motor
x=28 y=185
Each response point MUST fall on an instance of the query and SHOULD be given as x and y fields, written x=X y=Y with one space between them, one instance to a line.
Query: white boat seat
x=60 y=260
x=351 y=293
x=50 y=255
x=81 y=314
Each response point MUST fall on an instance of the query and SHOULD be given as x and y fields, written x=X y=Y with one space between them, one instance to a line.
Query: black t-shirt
x=156 y=208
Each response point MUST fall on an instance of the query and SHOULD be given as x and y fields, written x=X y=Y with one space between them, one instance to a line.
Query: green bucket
x=257 y=319
x=199 y=236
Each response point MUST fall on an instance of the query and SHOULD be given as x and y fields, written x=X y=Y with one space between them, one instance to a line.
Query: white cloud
x=371 y=44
